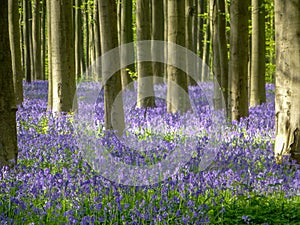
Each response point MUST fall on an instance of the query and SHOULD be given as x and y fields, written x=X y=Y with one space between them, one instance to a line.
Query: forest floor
x=56 y=183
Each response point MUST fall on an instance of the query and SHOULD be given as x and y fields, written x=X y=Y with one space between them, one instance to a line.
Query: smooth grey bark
x=62 y=56
x=43 y=37
x=214 y=13
x=157 y=33
x=50 y=81
x=145 y=90
x=238 y=65
x=97 y=41
x=112 y=86
x=206 y=49
x=177 y=93
x=36 y=40
x=8 y=130
x=223 y=52
x=79 y=56
x=258 y=54
x=14 y=36
x=126 y=37
x=287 y=93
x=189 y=36
x=26 y=34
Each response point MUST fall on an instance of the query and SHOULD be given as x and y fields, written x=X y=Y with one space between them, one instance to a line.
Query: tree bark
x=177 y=100
x=223 y=52
x=157 y=34
x=50 y=89
x=258 y=54
x=14 y=35
x=8 y=130
x=287 y=94
x=112 y=86
x=126 y=37
x=36 y=35
x=214 y=13
x=238 y=67
x=145 y=87
x=26 y=33
x=62 y=56
x=43 y=40
x=79 y=56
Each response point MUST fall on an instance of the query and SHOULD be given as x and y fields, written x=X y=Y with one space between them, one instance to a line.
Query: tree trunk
x=238 y=67
x=157 y=34
x=97 y=42
x=79 y=56
x=62 y=56
x=214 y=13
x=87 y=38
x=8 y=130
x=36 y=35
x=177 y=93
x=50 y=83
x=258 y=54
x=201 y=34
x=26 y=33
x=189 y=36
x=112 y=86
x=14 y=35
x=287 y=95
x=223 y=52
x=206 y=47
x=43 y=37
x=145 y=86
x=126 y=37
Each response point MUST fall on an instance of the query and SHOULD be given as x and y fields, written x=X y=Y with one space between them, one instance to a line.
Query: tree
x=238 y=65
x=216 y=53
x=177 y=80
x=36 y=42
x=157 y=33
x=27 y=36
x=8 y=130
x=44 y=39
x=126 y=37
x=258 y=54
x=145 y=87
x=189 y=36
x=223 y=53
x=79 y=56
x=62 y=56
x=287 y=94
x=14 y=35
x=112 y=86
x=50 y=81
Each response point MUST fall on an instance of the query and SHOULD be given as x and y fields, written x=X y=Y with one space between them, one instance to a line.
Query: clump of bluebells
x=53 y=182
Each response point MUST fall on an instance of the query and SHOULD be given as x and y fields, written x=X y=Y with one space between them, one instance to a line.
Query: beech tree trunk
x=238 y=65
x=112 y=86
x=62 y=56
x=14 y=36
x=79 y=56
x=36 y=42
x=258 y=54
x=157 y=34
x=287 y=95
x=26 y=33
x=8 y=131
x=177 y=100
x=145 y=87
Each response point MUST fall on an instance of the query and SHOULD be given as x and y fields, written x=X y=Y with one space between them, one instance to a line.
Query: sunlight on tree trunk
x=238 y=65
x=287 y=96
